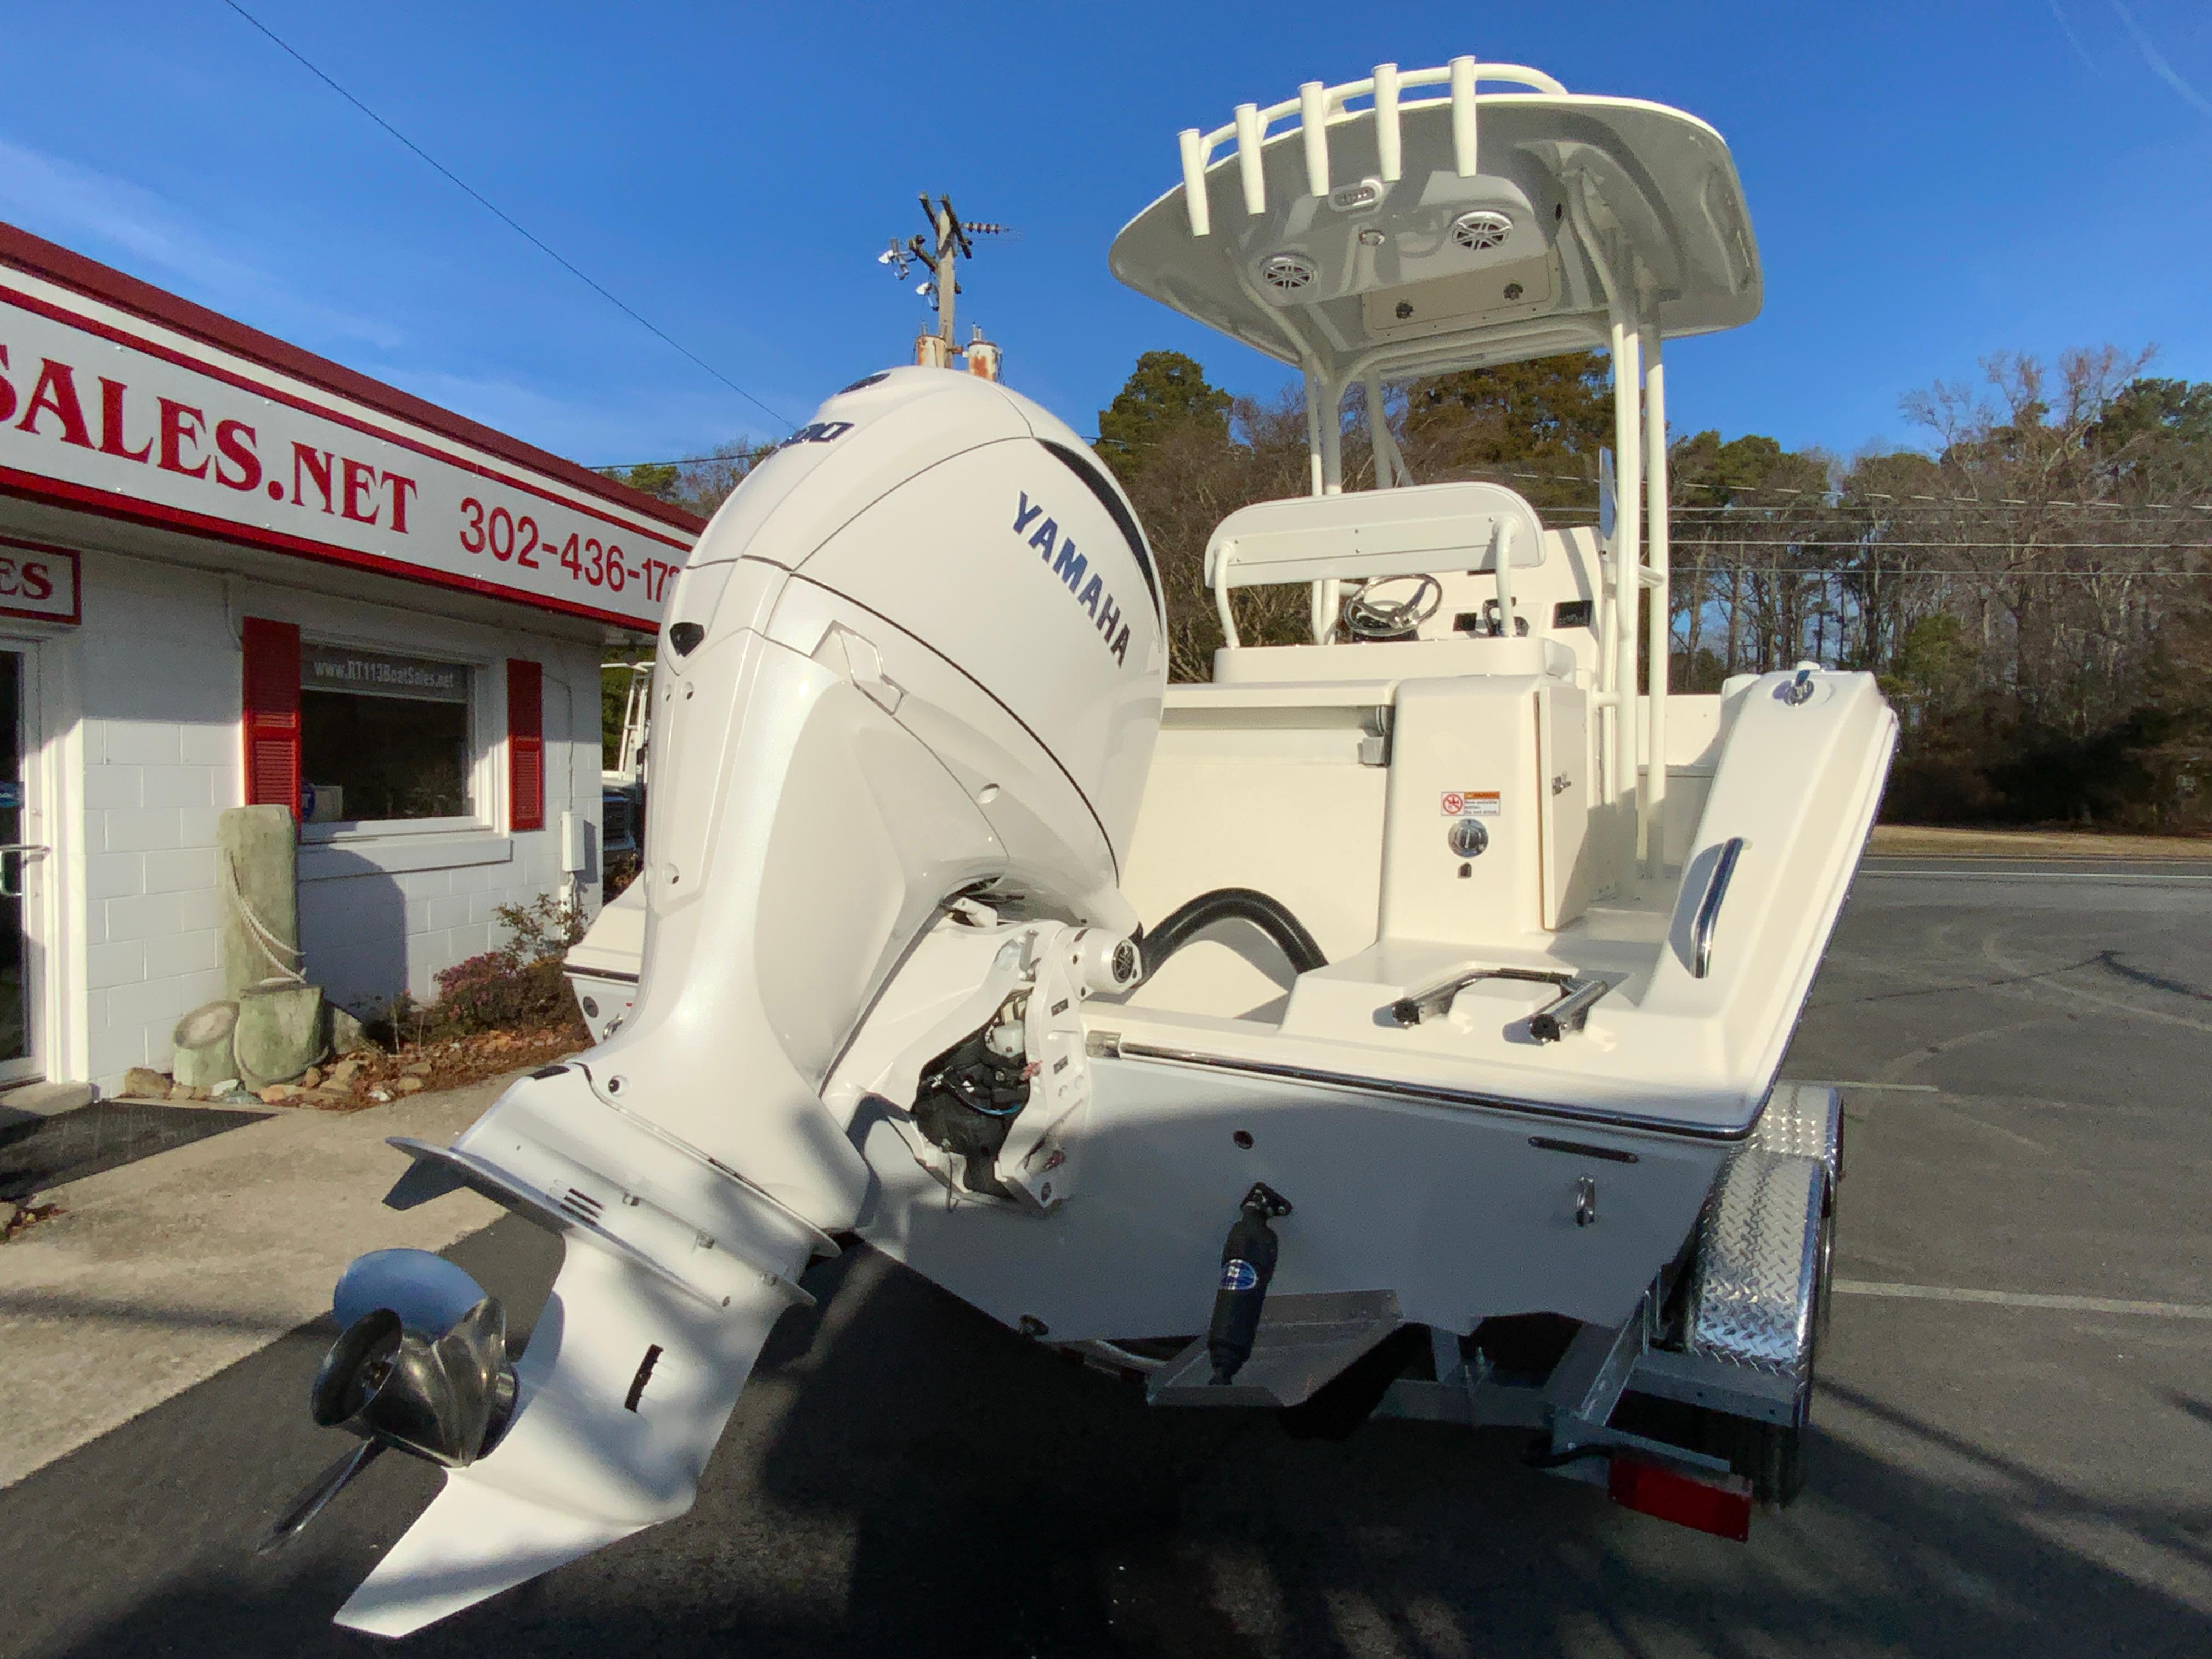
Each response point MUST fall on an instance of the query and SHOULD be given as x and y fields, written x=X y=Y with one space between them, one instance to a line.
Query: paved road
x=905 y=1478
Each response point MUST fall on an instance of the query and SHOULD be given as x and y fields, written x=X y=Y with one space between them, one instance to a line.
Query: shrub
x=518 y=986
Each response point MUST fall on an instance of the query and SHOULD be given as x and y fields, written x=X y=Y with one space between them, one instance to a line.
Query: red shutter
x=272 y=714
x=526 y=745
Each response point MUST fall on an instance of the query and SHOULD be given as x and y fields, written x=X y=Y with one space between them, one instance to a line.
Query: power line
x=1946 y=505
x=1836 y=499
x=506 y=218
x=2006 y=575
x=1755 y=514
x=1842 y=514
x=1889 y=545
x=1679 y=512
x=1879 y=549
x=1827 y=496
x=1829 y=501
x=752 y=454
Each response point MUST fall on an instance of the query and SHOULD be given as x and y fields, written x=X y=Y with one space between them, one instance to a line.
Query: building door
x=23 y=867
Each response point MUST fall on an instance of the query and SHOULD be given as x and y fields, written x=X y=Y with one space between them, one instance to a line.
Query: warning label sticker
x=1472 y=804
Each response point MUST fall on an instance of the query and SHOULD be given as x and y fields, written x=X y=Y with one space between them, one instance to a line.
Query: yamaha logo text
x=1084 y=584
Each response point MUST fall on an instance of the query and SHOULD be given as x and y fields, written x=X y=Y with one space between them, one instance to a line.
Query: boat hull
x=1465 y=1212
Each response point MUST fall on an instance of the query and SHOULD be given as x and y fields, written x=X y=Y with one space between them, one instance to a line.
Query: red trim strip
x=36 y=486
x=25 y=251
x=338 y=417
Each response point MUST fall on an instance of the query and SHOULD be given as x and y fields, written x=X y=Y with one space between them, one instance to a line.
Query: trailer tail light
x=1722 y=1509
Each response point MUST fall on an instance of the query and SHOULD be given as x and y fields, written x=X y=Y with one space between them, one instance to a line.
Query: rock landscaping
x=371 y=1076
x=501 y=1012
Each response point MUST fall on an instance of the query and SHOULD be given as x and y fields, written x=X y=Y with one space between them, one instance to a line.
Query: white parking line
x=1886 y=1088
x=2103 y=1304
x=2175 y=878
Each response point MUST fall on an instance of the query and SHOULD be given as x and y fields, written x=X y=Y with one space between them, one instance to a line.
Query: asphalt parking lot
x=2013 y=1453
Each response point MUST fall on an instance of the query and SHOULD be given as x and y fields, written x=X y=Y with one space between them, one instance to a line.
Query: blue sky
x=1929 y=182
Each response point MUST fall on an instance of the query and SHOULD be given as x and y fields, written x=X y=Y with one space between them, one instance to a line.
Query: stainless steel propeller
x=308 y=1504
x=413 y=1378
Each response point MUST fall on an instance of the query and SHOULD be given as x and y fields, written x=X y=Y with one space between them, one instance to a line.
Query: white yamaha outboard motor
x=909 y=685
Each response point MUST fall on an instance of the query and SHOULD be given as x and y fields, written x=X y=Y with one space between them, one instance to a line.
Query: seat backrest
x=1418 y=530
x=1386 y=664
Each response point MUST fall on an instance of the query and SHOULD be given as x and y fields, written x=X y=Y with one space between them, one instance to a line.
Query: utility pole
x=939 y=253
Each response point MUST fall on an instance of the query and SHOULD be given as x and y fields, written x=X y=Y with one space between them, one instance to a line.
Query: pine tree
x=1166 y=395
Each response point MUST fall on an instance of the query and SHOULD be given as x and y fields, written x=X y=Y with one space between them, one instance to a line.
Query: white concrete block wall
x=156 y=676
x=157 y=673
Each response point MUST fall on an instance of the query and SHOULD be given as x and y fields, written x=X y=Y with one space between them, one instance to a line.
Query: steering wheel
x=1368 y=617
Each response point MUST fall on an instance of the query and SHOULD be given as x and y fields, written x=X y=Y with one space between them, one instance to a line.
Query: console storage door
x=1563 y=751
x=1461 y=842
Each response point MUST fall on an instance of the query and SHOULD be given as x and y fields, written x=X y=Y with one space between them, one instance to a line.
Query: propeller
x=296 y=1514
x=421 y=1367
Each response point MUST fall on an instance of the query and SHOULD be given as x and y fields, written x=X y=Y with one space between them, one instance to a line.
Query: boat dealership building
x=233 y=573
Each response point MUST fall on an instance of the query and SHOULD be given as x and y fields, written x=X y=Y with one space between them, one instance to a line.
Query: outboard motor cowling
x=918 y=656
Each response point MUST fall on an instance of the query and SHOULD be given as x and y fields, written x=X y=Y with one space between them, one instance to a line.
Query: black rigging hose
x=1270 y=916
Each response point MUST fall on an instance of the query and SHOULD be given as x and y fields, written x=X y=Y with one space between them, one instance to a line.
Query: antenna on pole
x=939 y=253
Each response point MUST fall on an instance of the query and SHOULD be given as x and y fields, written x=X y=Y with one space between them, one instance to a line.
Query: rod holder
x=1192 y=145
x=1251 y=166
x=1313 y=123
x=1387 y=148
x=1463 y=106
x=1571 y=1012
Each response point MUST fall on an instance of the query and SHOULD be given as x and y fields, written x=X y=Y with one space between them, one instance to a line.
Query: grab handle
x=1709 y=907
x=12 y=855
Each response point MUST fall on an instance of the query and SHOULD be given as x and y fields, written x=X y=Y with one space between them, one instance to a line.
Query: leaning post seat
x=1411 y=531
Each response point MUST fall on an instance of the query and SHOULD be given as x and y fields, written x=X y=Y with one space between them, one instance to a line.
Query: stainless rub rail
x=1112 y=1045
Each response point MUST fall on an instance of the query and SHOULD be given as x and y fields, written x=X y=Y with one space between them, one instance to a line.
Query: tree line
x=2031 y=585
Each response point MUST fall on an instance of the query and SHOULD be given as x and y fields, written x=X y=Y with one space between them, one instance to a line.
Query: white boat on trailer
x=1439 y=964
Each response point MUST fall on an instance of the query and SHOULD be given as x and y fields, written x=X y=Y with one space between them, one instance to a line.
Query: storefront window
x=382 y=736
